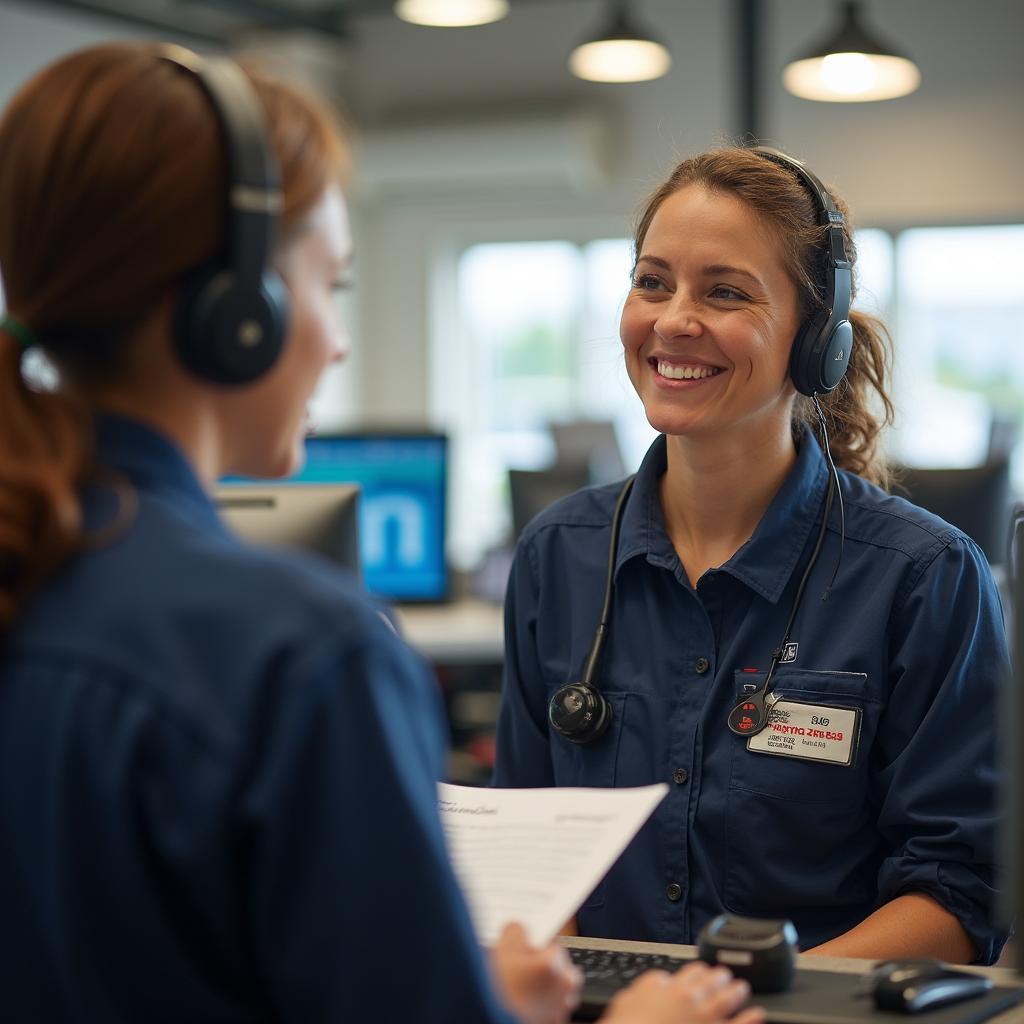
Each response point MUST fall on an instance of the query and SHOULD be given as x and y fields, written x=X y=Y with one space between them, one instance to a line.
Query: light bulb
x=852 y=77
x=451 y=13
x=620 y=60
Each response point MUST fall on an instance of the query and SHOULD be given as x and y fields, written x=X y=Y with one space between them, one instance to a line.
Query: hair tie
x=19 y=331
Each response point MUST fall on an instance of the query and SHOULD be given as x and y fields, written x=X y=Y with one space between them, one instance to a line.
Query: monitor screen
x=323 y=519
x=403 y=477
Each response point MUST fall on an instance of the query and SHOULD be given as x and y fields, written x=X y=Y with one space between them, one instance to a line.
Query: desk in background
x=464 y=632
x=463 y=641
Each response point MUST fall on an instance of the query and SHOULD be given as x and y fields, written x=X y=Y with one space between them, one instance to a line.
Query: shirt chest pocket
x=799 y=765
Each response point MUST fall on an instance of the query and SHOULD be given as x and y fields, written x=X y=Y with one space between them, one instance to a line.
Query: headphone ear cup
x=229 y=333
x=803 y=363
x=819 y=360
x=579 y=713
x=835 y=356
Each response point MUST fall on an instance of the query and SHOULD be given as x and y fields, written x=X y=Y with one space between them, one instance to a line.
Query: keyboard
x=605 y=971
x=817 y=996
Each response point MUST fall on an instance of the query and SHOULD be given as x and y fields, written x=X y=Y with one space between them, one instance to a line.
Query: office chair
x=532 y=490
x=976 y=499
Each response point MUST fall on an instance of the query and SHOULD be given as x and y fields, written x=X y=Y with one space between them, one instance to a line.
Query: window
x=538 y=343
x=959 y=327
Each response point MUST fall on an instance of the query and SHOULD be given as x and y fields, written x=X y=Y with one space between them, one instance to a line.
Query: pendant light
x=620 y=52
x=851 y=66
x=451 y=13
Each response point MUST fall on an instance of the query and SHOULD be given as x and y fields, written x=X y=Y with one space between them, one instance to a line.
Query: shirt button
x=702 y=665
x=680 y=775
x=673 y=891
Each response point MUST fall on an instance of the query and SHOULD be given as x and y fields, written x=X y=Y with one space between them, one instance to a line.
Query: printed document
x=533 y=855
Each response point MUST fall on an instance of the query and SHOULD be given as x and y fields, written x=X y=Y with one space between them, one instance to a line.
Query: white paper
x=533 y=855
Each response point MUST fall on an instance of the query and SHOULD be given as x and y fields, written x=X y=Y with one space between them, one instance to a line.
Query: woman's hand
x=540 y=986
x=695 y=994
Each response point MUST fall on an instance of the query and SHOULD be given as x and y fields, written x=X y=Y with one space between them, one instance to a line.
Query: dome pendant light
x=451 y=13
x=620 y=52
x=851 y=66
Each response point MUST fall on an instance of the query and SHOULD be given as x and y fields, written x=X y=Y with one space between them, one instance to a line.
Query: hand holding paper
x=533 y=855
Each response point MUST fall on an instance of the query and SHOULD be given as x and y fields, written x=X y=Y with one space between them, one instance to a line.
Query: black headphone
x=822 y=346
x=821 y=352
x=232 y=314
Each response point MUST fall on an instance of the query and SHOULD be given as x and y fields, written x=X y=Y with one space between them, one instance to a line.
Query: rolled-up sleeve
x=935 y=774
x=523 y=757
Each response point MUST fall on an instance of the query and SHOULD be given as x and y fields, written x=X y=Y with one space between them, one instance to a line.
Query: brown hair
x=785 y=204
x=112 y=187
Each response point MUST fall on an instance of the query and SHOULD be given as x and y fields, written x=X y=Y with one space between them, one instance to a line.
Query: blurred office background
x=492 y=207
x=495 y=190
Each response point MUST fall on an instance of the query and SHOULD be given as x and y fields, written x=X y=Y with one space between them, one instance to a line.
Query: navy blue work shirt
x=912 y=635
x=217 y=786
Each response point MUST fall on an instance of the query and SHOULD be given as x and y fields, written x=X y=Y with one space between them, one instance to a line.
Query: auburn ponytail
x=45 y=455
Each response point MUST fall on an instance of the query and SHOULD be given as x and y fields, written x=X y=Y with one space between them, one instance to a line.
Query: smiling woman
x=767 y=221
x=690 y=603
x=708 y=320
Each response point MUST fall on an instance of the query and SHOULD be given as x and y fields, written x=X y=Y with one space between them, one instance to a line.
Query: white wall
x=951 y=153
x=32 y=35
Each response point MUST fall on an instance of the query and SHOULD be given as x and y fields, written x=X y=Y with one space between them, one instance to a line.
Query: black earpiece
x=823 y=343
x=232 y=314
x=580 y=713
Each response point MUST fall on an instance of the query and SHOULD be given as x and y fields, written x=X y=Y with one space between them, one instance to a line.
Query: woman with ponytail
x=811 y=664
x=217 y=763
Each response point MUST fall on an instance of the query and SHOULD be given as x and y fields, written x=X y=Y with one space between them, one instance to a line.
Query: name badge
x=809 y=732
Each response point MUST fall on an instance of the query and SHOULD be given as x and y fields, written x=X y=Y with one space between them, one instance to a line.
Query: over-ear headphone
x=822 y=346
x=232 y=314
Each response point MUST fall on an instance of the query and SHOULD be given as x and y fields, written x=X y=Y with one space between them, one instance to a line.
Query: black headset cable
x=839 y=491
x=595 y=650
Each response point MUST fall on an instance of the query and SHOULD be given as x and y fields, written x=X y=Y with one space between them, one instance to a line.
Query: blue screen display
x=401 y=509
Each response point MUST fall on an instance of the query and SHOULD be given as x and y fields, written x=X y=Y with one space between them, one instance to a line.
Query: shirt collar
x=767 y=561
x=152 y=463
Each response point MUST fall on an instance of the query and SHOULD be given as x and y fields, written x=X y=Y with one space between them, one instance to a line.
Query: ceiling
x=219 y=21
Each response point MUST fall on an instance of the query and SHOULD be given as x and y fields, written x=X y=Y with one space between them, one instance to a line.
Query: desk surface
x=464 y=631
x=843 y=965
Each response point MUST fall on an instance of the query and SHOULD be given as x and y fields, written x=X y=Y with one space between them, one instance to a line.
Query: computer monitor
x=403 y=475
x=590 y=443
x=533 y=490
x=315 y=517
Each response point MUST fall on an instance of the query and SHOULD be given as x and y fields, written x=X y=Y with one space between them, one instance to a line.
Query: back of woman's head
x=859 y=407
x=112 y=188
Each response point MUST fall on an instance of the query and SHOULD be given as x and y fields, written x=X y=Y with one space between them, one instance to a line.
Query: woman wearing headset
x=217 y=764
x=810 y=664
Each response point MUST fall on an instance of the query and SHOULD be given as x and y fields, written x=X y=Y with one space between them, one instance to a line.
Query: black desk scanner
x=762 y=951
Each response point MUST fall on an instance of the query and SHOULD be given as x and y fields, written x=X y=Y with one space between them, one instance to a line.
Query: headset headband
x=231 y=315
x=823 y=344
x=827 y=213
x=254 y=196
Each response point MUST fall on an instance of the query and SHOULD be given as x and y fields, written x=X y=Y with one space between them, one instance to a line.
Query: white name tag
x=810 y=732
